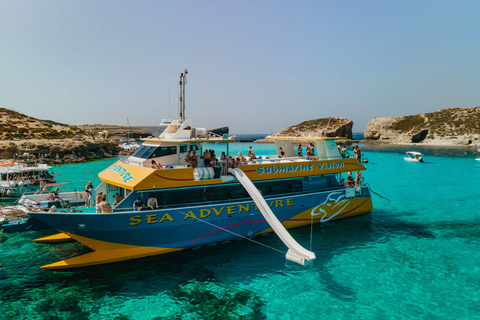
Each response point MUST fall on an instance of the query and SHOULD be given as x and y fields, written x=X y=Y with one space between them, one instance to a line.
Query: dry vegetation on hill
x=15 y=125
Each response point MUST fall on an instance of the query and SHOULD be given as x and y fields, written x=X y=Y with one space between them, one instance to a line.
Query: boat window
x=183 y=149
x=164 y=151
x=193 y=147
x=237 y=191
x=111 y=187
x=139 y=151
x=144 y=153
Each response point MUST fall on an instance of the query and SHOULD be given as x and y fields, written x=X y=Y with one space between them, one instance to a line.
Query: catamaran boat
x=17 y=178
x=194 y=206
x=414 y=156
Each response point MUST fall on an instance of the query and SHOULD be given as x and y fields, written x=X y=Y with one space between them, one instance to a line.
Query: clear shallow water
x=414 y=257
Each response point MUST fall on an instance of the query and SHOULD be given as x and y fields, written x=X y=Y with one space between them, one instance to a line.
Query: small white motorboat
x=414 y=156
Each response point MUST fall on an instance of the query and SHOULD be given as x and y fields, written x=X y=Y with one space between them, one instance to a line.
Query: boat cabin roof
x=415 y=153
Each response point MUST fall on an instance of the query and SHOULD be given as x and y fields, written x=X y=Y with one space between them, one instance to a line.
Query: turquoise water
x=414 y=257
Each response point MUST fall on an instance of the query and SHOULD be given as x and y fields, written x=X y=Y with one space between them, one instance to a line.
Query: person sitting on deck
x=156 y=165
x=152 y=202
x=188 y=159
x=138 y=205
x=105 y=206
x=232 y=162
x=118 y=199
x=350 y=182
x=55 y=195
x=282 y=153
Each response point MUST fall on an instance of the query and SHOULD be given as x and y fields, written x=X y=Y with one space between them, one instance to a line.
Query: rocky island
x=454 y=126
x=340 y=127
x=56 y=142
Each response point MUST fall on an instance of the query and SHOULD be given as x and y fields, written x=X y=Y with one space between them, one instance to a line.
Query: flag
x=330 y=122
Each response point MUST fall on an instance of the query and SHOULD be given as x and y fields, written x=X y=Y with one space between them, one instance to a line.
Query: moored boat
x=16 y=178
x=17 y=218
x=172 y=199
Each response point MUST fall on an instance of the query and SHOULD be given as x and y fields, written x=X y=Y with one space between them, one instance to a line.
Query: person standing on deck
x=98 y=199
x=224 y=162
x=88 y=193
x=344 y=152
x=312 y=150
x=206 y=158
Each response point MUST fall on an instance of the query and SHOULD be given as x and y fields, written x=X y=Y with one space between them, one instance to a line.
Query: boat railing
x=258 y=160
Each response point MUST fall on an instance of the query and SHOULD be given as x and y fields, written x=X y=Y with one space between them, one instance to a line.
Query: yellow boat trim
x=106 y=252
x=59 y=237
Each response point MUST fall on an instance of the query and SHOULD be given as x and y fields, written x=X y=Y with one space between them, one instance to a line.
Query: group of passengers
x=152 y=204
x=358 y=181
x=209 y=159
x=101 y=203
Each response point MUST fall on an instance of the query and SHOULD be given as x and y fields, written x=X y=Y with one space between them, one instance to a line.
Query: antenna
x=181 y=102
x=169 y=102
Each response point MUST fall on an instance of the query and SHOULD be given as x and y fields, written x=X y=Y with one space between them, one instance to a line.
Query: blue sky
x=255 y=66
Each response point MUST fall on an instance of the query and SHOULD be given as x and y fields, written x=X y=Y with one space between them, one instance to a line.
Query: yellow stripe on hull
x=59 y=237
x=106 y=252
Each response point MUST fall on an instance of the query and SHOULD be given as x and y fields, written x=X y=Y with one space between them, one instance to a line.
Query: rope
x=379 y=195
x=236 y=234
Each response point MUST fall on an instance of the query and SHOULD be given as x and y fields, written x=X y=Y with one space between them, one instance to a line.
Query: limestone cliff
x=341 y=127
x=21 y=134
x=455 y=126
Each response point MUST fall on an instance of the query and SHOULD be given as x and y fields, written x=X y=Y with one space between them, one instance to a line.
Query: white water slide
x=296 y=252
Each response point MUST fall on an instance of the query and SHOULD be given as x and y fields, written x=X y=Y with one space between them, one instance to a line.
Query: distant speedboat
x=414 y=156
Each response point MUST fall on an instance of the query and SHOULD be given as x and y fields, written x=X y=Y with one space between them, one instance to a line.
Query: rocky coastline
x=447 y=127
x=56 y=143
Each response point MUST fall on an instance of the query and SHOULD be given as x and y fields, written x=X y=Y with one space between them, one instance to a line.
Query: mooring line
x=236 y=234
